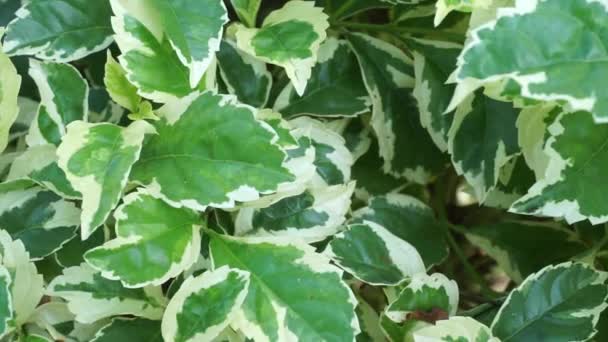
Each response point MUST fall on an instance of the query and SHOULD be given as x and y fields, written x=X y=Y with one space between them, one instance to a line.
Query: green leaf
x=290 y=38
x=60 y=30
x=147 y=56
x=27 y=286
x=371 y=180
x=406 y=147
x=194 y=29
x=565 y=67
x=204 y=305
x=42 y=220
x=311 y=216
x=154 y=242
x=482 y=139
x=559 y=303
x=199 y=157
x=572 y=187
x=444 y=7
x=374 y=255
x=10 y=82
x=410 y=220
x=514 y=180
x=91 y=297
x=522 y=248
x=118 y=86
x=129 y=330
x=333 y=160
x=39 y=164
x=247 y=10
x=97 y=159
x=64 y=94
x=433 y=63
x=458 y=329
x=294 y=292
x=335 y=87
x=244 y=76
x=6 y=302
x=424 y=293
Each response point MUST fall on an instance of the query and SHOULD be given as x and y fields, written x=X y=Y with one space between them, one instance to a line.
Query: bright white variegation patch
x=436 y=288
x=60 y=31
x=333 y=160
x=185 y=319
x=27 y=286
x=304 y=19
x=455 y=329
x=91 y=297
x=139 y=231
x=10 y=83
x=100 y=183
x=444 y=7
x=561 y=286
x=310 y=216
x=64 y=98
x=567 y=75
x=287 y=317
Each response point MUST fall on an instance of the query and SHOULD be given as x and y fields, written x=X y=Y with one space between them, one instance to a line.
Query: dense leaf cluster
x=329 y=170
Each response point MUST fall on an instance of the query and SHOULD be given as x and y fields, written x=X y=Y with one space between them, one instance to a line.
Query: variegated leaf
x=40 y=219
x=425 y=294
x=97 y=159
x=292 y=283
x=64 y=95
x=461 y=329
x=410 y=220
x=154 y=242
x=406 y=147
x=201 y=137
x=374 y=255
x=244 y=76
x=335 y=88
x=572 y=185
x=573 y=296
x=10 y=82
x=482 y=139
x=548 y=67
x=311 y=216
x=205 y=305
x=92 y=297
x=290 y=38
x=60 y=30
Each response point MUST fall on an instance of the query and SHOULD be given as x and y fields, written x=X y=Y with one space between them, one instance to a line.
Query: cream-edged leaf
x=202 y=137
x=294 y=293
x=205 y=305
x=335 y=88
x=154 y=242
x=91 y=297
x=374 y=255
x=64 y=95
x=406 y=147
x=461 y=329
x=565 y=67
x=290 y=38
x=60 y=30
x=97 y=159
x=424 y=293
x=39 y=218
x=10 y=82
x=311 y=216
x=244 y=76
x=558 y=303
